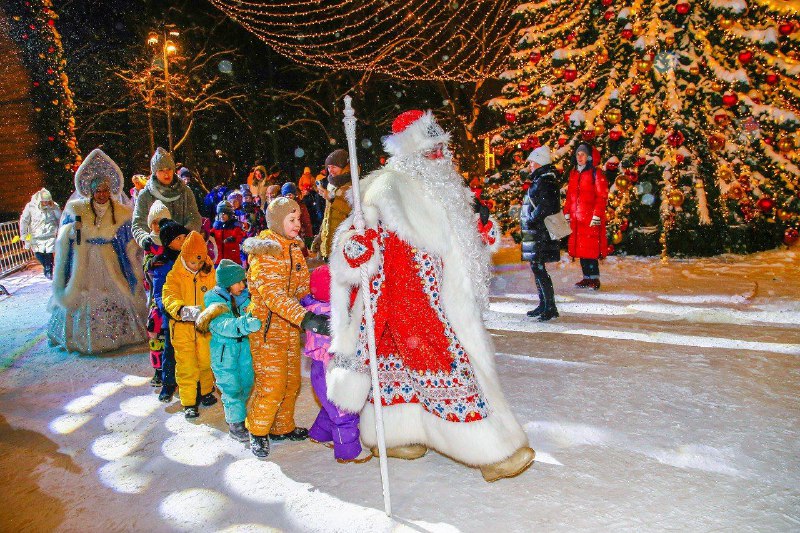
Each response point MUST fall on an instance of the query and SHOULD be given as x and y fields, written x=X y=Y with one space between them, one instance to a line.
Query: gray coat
x=177 y=197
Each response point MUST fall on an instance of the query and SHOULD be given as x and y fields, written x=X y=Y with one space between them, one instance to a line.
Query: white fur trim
x=416 y=138
x=256 y=246
x=352 y=388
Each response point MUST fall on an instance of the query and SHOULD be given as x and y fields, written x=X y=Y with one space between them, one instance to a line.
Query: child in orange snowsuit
x=188 y=281
x=278 y=278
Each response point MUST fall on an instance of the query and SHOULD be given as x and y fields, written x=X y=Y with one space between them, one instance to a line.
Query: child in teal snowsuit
x=230 y=323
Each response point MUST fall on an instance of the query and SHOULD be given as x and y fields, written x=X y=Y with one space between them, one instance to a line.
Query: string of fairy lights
x=414 y=39
x=698 y=85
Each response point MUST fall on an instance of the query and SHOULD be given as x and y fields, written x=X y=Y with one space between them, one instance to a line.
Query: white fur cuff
x=347 y=389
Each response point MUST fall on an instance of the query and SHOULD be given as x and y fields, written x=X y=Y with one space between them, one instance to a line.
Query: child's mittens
x=251 y=323
x=189 y=313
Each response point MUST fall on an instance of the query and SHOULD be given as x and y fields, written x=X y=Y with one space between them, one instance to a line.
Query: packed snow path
x=669 y=400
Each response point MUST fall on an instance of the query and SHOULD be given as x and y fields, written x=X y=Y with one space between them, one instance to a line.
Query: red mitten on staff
x=359 y=248
x=486 y=232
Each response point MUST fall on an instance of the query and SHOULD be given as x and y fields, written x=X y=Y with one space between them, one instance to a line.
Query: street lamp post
x=167 y=48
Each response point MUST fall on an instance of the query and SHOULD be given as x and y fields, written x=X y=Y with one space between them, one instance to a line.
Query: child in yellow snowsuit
x=278 y=278
x=182 y=296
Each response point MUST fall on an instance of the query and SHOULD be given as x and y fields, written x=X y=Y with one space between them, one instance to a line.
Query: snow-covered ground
x=668 y=400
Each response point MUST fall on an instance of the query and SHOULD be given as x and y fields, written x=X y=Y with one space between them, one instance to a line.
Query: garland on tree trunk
x=32 y=25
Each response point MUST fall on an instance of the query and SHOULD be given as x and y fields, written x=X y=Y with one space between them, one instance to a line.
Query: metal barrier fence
x=13 y=254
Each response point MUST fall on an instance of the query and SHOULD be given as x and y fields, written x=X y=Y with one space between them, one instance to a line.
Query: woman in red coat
x=585 y=209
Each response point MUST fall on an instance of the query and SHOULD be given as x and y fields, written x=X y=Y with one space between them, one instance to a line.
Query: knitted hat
x=157 y=211
x=541 y=155
x=229 y=273
x=225 y=207
x=306 y=181
x=45 y=196
x=288 y=188
x=161 y=160
x=338 y=158
x=185 y=173
x=279 y=209
x=194 y=247
x=233 y=194
x=320 y=284
x=169 y=230
x=585 y=149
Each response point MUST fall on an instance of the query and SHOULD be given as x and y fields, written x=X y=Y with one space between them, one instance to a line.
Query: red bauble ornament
x=588 y=135
x=607 y=2
x=533 y=142
x=611 y=166
x=610 y=249
x=567 y=114
x=626 y=33
x=640 y=162
x=571 y=37
x=592 y=84
x=632 y=175
x=745 y=56
x=526 y=185
x=608 y=15
x=535 y=57
x=25 y=36
x=766 y=204
x=524 y=88
x=768 y=140
x=51 y=50
x=615 y=134
x=675 y=139
x=511 y=118
x=623 y=226
x=772 y=78
x=570 y=74
x=51 y=23
x=575 y=98
x=51 y=138
x=790 y=236
x=679 y=158
x=635 y=88
x=786 y=28
x=730 y=99
x=650 y=129
x=682 y=7
x=36 y=84
x=562 y=140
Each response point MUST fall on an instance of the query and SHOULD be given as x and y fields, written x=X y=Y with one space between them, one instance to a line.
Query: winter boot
x=326 y=443
x=259 y=446
x=208 y=400
x=549 y=314
x=156 y=379
x=409 y=451
x=540 y=308
x=295 y=434
x=594 y=284
x=238 y=432
x=582 y=284
x=536 y=312
x=519 y=461
x=191 y=411
x=362 y=457
x=167 y=391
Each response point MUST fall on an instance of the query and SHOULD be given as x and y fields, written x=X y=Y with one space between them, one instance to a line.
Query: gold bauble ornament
x=694 y=70
x=613 y=116
x=784 y=215
x=542 y=108
x=716 y=86
x=669 y=40
x=602 y=57
x=724 y=23
x=643 y=65
x=784 y=143
x=725 y=174
x=736 y=191
x=599 y=127
x=558 y=72
x=690 y=90
x=622 y=183
x=617 y=237
x=638 y=30
x=676 y=198
x=716 y=142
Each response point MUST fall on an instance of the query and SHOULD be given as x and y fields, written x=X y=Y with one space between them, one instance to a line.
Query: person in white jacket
x=38 y=226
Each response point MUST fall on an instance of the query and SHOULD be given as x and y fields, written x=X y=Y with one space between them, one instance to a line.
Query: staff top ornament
x=95 y=169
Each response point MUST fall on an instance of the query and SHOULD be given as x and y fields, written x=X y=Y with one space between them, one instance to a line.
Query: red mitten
x=359 y=248
x=486 y=232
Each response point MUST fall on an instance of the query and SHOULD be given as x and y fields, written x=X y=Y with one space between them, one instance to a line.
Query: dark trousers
x=591 y=268
x=47 y=263
x=547 y=297
x=168 y=362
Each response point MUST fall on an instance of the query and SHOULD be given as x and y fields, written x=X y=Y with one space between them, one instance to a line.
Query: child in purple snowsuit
x=331 y=425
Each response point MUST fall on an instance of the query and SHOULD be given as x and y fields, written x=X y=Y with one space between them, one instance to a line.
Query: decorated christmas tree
x=693 y=105
x=33 y=28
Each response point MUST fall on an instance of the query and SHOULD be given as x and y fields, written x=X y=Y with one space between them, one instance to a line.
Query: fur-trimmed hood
x=259 y=246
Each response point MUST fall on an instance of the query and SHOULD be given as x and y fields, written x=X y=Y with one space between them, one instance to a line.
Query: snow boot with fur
x=191 y=411
x=517 y=463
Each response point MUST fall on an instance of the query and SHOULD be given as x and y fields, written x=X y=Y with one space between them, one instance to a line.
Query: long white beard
x=445 y=188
